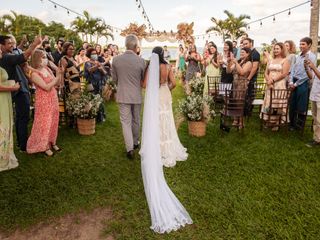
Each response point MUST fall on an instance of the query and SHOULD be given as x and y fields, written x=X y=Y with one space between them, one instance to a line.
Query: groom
x=128 y=72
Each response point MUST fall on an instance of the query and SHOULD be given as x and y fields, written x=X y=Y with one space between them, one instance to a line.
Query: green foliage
x=250 y=185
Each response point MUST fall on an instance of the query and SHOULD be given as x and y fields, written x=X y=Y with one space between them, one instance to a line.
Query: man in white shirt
x=300 y=76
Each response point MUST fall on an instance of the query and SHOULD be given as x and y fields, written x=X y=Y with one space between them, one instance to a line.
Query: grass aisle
x=255 y=185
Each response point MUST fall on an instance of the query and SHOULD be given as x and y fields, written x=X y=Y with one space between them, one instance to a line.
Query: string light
x=144 y=15
x=277 y=13
x=55 y=4
x=261 y=19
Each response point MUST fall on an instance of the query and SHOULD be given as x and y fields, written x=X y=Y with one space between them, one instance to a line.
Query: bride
x=170 y=147
x=160 y=143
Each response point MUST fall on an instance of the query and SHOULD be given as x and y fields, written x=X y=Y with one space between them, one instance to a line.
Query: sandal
x=48 y=153
x=56 y=148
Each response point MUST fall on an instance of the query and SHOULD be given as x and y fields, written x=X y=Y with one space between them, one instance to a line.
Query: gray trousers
x=130 y=121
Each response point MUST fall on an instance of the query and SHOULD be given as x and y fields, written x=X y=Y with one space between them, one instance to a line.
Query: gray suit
x=128 y=72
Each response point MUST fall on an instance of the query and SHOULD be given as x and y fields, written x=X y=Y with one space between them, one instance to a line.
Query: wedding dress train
x=167 y=213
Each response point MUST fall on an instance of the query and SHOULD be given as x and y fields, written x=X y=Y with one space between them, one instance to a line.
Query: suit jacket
x=128 y=72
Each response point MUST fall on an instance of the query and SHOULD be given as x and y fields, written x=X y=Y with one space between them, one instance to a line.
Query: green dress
x=211 y=71
x=7 y=158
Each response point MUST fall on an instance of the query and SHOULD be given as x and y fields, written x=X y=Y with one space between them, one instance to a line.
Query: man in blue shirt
x=11 y=63
x=299 y=84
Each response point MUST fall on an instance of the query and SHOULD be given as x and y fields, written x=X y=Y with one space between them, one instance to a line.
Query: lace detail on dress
x=170 y=145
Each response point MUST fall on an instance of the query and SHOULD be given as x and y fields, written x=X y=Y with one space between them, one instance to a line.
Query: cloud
x=181 y=12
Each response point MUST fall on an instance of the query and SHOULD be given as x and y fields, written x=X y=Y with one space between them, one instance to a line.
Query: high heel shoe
x=56 y=148
x=48 y=153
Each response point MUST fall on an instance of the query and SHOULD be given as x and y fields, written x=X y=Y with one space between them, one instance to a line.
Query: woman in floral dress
x=46 y=118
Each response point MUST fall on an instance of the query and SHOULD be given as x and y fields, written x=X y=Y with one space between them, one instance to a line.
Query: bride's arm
x=146 y=74
x=171 y=79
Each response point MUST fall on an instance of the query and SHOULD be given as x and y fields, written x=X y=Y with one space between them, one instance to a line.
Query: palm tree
x=220 y=27
x=103 y=30
x=13 y=22
x=91 y=24
x=236 y=25
x=79 y=26
x=232 y=27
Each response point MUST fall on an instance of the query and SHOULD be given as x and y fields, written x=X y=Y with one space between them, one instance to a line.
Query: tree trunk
x=314 y=25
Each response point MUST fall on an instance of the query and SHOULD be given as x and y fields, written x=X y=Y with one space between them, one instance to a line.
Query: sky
x=167 y=14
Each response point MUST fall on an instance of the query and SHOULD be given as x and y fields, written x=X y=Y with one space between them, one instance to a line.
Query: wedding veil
x=167 y=213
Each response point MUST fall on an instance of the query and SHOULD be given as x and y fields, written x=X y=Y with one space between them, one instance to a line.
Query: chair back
x=234 y=102
x=279 y=101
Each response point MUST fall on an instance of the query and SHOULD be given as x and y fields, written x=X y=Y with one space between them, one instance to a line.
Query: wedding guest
x=211 y=64
x=291 y=49
x=98 y=49
x=57 y=54
x=95 y=74
x=85 y=45
x=44 y=131
x=167 y=55
x=107 y=62
x=46 y=46
x=81 y=57
x=235 y=48
x=8 y=159
x=252 y=78
x=11 y=63
x=115 y=50
x=71 y=72
x=181 y=62
x=240 y=69
x=315 y=104
x=299 y=84
x=71 y=69
x=226 y=78
x=193 y=58
x=276 y=78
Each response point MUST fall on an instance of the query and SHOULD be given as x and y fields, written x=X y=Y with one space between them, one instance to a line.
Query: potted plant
x=85 y=109
x=196 y=108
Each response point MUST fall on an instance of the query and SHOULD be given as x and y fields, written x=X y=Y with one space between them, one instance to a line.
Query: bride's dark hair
x=160 y=52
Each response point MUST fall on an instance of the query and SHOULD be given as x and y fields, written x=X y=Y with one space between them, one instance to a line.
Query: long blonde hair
x=36 y=58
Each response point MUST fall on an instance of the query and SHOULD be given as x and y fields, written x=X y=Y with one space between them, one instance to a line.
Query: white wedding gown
x=167 y=213
x=170 y=147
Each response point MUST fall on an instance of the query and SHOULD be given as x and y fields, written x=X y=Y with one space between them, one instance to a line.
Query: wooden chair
x=233 y=107
x=258 y=93
x=276 y=115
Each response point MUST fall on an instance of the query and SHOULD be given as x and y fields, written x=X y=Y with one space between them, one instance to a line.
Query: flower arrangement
x=197 y=107
x=185 y=33
x=85 y=106
x=196 y=85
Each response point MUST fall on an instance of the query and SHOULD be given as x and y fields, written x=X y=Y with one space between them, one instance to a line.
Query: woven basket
x=197 y=129
x=86 y=126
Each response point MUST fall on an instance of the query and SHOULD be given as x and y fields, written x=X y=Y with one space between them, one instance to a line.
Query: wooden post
x=314 y=24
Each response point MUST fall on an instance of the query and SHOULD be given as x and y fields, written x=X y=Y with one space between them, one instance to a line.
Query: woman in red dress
x=46 y=118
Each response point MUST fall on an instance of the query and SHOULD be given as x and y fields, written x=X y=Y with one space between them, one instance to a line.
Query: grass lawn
x=250 y=185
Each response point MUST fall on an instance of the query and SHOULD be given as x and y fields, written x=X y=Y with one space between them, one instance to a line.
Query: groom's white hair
x=131 y=42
